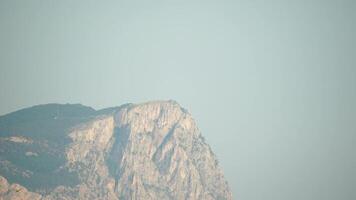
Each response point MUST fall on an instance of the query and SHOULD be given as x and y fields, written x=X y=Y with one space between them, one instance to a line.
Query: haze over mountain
x=152 y=150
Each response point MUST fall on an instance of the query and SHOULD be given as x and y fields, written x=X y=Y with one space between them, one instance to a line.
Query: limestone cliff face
x=164 y=156
x=146 y=151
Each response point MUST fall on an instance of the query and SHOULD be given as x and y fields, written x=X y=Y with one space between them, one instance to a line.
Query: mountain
x=145 y=151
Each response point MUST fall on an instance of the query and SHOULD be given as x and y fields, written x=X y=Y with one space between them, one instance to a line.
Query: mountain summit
x=145 y=151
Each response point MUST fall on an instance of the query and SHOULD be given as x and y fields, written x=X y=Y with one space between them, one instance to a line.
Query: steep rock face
x=146 y=151
x=86 y=155
x=164 y=157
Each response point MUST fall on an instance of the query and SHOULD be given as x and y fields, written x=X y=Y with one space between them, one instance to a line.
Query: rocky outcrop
x=146 y=151
x=164 y=156
x=87 y=154
x=15 y=192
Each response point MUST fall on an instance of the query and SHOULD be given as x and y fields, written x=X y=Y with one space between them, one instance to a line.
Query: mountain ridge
x=152 y=150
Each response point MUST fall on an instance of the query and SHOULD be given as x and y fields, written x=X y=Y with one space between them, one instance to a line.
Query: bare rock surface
x=147 y=151
x=15 y=192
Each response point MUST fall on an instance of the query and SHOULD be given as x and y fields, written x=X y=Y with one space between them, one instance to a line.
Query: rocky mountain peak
x=147 y=117
x=152 y=150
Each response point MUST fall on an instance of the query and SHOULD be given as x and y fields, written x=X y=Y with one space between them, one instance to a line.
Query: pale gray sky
x=270 y=83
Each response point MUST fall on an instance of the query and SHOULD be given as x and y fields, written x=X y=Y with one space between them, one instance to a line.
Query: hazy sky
x=272 y=84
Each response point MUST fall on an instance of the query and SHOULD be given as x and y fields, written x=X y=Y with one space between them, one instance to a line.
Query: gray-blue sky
x=270 y=83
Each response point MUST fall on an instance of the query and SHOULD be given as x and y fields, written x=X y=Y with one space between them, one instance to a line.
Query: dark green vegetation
x=45 y=121
x=38 y=161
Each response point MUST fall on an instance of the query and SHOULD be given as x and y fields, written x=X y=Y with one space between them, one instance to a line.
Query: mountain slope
x=146 y=151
